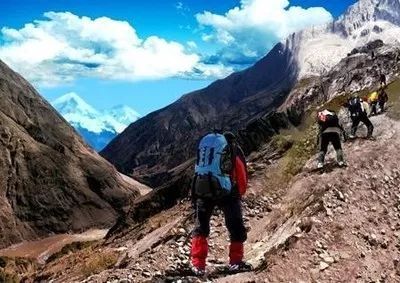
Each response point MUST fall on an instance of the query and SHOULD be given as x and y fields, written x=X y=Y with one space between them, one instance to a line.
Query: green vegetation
x=393 y=92
x=7 y=277
x=99 y=262
x=282 y=143
x=71 y=248
x=13 y=270
x=303 y=148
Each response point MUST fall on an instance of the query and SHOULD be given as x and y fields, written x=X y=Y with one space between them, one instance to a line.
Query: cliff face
x=50 y=181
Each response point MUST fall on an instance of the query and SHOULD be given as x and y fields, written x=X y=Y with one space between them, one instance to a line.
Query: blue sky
x=145 y=54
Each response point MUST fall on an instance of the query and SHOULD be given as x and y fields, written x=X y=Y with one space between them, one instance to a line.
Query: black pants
x=364 y=119
x=374 y=110
x=382 y=105
x=325 y=140
x=232 y=209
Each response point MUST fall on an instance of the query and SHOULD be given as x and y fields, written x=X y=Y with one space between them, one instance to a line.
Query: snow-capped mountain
x=318 y=49
x=123 y=114
x=97 y=127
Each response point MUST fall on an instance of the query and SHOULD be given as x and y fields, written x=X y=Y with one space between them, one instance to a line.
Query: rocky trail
x=341 y=225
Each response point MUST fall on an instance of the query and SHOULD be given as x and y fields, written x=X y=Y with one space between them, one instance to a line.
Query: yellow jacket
x=373 y=97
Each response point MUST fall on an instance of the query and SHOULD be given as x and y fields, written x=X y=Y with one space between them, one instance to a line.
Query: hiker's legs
x=335 y=140
x=382 y=106
x=373 y=108
x=199 y=248
x=369 y=125
x=354 y=126
x=324 y=143
x=232 y=209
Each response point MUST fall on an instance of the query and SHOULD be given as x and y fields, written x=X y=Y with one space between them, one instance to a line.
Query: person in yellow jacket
x=373 y=102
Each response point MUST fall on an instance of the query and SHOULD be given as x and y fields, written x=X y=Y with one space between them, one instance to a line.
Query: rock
x=329 y=259
x=146 y=273
x=373 y=240
x=323 y=265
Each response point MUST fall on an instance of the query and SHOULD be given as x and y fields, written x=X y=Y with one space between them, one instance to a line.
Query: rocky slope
x=50 y=180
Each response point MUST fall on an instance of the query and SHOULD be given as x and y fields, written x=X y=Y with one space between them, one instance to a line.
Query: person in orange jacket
x=230 y=204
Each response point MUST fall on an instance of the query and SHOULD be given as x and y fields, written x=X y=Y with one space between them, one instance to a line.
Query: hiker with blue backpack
x=220 y=181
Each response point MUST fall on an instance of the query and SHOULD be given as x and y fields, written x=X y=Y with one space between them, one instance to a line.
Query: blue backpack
x=213 y=167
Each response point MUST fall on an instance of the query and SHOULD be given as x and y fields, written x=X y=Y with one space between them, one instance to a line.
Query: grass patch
x=99 y=262
x=71 y=248
x=301 y=151
x=393 y=92
x=15 y=270
x=8 y=277
x=282 y=143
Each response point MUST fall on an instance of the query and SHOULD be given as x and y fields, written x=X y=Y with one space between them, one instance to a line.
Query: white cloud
x=65 y=46
x=192 y=44
x=257 y=25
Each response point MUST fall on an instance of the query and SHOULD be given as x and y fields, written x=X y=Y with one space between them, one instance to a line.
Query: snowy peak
x=71 y=102
x=79 y=113
x=366 y=11
x=318 y=49
x=97 y=127
x=123 y=114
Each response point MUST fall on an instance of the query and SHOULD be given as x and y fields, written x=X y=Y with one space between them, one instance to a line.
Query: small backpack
x=328 y=119
x=213 y=167
x=356 y=107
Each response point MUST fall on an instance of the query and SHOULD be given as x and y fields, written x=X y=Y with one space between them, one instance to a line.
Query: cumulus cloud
x=247 y=32
x=64 y=46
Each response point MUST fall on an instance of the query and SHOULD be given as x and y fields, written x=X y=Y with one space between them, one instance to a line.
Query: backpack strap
x=211 y=156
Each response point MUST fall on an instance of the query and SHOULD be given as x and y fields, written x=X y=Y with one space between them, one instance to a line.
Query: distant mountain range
x=98 y=128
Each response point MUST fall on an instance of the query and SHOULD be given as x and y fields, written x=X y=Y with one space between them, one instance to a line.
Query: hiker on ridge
x=220 y=180
x=330 y=131
x=382 y=79
x=358 y=113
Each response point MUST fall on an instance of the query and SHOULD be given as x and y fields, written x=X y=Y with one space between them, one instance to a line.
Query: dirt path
x=44 y=248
